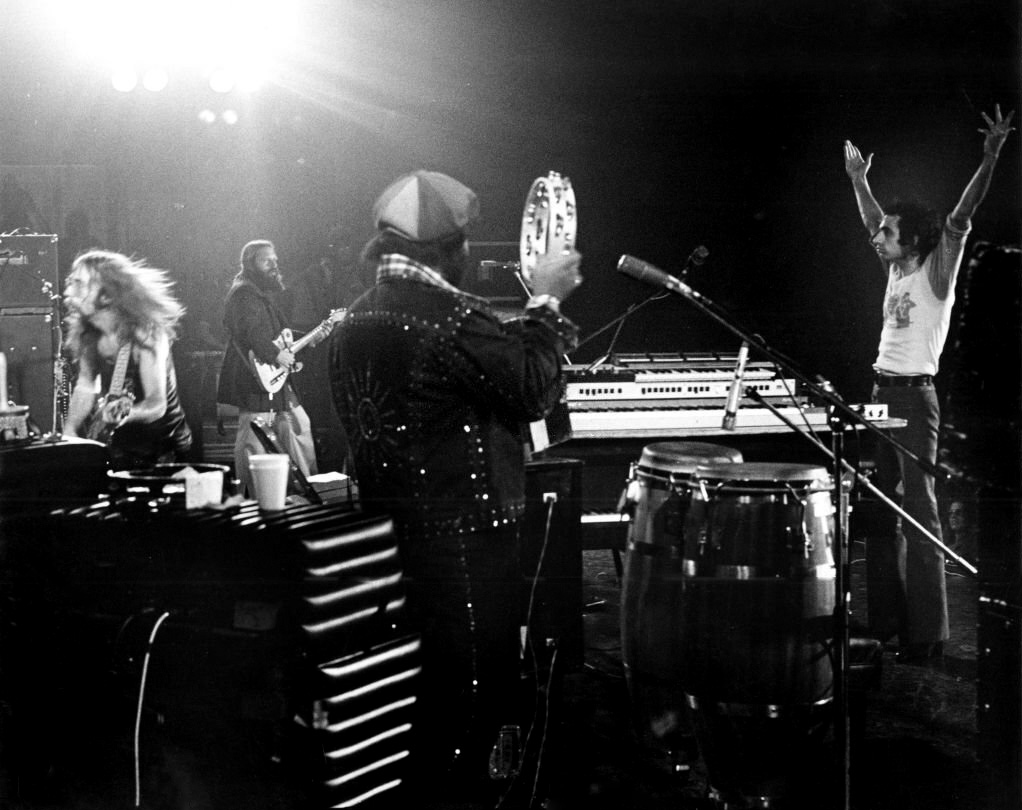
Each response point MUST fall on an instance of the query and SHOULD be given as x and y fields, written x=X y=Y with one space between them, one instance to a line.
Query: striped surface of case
x=289 y=620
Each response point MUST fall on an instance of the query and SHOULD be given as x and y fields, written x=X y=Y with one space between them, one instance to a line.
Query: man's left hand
x=997 y=131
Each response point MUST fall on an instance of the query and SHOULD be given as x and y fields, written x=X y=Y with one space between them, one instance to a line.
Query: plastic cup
x=269 y=477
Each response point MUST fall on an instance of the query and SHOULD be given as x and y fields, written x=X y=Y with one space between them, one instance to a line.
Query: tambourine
x=549 y=222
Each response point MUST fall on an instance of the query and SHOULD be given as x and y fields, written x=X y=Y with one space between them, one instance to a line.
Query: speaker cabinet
x=999 y=662
x=551 y=559
x=28 y=270
x=999 y=692
x=28 y=341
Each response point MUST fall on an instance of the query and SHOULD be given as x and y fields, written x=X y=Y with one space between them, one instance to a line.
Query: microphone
x=645 y=272
x=734 y=393
x=487 y=264
x=695 y=258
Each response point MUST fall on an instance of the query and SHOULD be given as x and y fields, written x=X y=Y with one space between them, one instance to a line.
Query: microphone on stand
x=646 y=272
x=734 y=393
x=695 y=259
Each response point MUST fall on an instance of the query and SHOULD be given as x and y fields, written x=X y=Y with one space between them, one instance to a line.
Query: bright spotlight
x=124 y=79
x=250 y=76
x=221 y=80
x=155 y=79
x=230 y=117
x=207 y=116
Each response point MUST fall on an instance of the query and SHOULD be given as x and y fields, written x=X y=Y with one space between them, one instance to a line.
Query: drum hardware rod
x=842 y=607
x=864 y=480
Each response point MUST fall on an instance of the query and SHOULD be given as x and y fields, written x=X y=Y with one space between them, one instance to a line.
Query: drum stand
x=840 y=418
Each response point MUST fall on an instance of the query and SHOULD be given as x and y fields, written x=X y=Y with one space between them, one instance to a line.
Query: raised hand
x=855 y=166
x=997 y=131
x=557 y=274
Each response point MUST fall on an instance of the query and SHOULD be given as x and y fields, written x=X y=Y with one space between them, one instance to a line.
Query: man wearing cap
x=255 y=315
x=433 y=391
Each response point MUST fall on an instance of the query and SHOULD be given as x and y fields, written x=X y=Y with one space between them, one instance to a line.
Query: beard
x=454 y=267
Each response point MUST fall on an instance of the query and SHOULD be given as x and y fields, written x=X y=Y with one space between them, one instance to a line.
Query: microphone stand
x=840 y=416
x=618 y=320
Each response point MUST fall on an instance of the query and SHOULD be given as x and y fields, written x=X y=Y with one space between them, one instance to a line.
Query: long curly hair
x=145 y=308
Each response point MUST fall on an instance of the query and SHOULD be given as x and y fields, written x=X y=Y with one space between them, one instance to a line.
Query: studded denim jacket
x=433 y=391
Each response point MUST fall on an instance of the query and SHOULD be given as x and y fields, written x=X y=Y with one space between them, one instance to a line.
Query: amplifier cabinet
x=999 y=692
x=551 y=558
x=28 y=270
x=28 y=339
x=263 y=639
x=38 y=476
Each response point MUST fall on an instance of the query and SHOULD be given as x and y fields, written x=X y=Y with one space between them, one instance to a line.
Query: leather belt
x=903 y=380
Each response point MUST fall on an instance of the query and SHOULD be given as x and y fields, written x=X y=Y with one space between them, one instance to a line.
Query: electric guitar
x=109 y=410
x=272 y=376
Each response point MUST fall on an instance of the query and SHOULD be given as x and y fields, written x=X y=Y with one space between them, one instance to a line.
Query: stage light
x=221 y=80
x=203 y=35
x=124 y=79
x=155 y=79
x=207 y=116
x=249 y=76
x=230 y=117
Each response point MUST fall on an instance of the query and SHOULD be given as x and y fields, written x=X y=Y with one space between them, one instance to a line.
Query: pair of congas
x=727 y=609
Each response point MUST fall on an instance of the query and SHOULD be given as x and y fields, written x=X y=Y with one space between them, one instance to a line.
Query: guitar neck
x=303 y=341
x=120 y=371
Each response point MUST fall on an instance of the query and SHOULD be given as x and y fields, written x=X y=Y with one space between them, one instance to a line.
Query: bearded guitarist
x=256 y=316
x=121 y=321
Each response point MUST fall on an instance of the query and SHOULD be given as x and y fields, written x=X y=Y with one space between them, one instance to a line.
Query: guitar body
x=272 y=376
x=106 y=415
x=110 y=409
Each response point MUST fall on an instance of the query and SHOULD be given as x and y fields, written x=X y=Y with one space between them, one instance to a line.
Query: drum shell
x=651 y=589
x=755 y=623
x=759 y=527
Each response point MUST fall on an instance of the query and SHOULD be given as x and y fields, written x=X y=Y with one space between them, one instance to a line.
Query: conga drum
x=651 y=591
x=755 y=625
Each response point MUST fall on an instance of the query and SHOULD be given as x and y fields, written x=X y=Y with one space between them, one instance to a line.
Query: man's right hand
x=285 y=358
x=855 y=167
x=557 y=275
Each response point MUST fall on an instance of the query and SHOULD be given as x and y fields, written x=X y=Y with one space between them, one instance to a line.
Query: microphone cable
x=138 y=712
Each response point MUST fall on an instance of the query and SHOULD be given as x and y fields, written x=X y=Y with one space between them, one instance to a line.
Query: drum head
x=763 y=472
x=685 y=457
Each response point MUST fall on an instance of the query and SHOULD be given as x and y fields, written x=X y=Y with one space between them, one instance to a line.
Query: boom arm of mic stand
x=632 y=308
x=709 y=308
x=757 y=397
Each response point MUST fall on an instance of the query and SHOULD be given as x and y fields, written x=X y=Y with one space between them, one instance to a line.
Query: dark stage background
x=713 y=122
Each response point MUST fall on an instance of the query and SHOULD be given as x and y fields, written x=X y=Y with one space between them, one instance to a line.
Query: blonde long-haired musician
x=121 y=321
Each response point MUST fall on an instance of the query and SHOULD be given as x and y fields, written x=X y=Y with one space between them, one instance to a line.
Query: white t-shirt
x=916 y=321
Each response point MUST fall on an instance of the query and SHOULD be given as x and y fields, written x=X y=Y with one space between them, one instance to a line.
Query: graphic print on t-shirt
x=896 y=310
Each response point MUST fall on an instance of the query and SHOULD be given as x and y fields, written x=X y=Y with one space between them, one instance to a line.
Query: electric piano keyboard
x=614 y=409
x=650 y=421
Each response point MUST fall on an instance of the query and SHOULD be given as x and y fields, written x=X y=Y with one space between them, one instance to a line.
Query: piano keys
x=657 y=421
